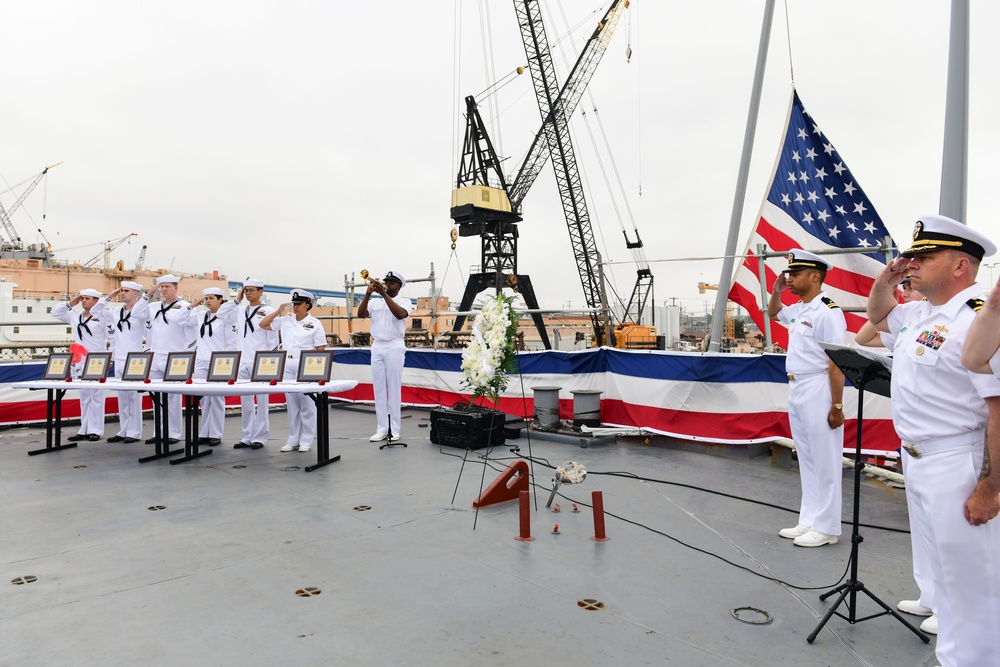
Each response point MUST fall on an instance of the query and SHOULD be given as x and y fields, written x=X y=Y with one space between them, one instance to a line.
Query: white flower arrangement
x=489 y=356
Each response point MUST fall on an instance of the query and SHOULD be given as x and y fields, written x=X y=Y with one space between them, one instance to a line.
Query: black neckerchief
x=163 y=310
x=124 y=318
x=249 y=318
x=81 y=326
x=208 y=323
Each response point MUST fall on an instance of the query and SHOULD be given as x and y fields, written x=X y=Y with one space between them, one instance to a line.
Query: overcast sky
x=302 y=141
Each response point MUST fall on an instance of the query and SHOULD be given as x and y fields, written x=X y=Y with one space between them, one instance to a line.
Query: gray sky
x=299 y=141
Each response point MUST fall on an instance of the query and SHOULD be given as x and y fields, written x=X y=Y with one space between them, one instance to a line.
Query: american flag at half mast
x=814 y=203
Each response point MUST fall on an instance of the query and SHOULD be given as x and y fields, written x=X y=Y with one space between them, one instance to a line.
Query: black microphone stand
x=863 y=370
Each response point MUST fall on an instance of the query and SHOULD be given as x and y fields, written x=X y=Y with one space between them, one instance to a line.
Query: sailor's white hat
x=168 y=278
x=128 y=284
x=937 y=232
x=253 y=282
x=799 y=259
x=215 y=291
x=90 y=292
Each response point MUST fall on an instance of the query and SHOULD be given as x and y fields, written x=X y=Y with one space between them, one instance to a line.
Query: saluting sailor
x=388 y=312
x=216 y=333
x=939 y=410
x=815 y=395
x=170 y=330
x=299 y=331
x=126 y=331
x=251 y=338
x=90 y=331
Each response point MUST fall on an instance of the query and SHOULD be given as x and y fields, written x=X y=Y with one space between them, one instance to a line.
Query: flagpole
x=955 y=163
x=726 y=279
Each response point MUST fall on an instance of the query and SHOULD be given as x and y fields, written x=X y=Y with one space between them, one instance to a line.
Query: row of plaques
x=268 y=366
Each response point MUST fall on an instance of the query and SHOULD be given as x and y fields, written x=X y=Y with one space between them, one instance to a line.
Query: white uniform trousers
x=387 y=383
x=964 y=563
x=820 y=451
x=92 y=411
x=129 y=407
x=174 y=401
x=256 y=423
x=301 y=411
x=213 y=408
x=921 y=554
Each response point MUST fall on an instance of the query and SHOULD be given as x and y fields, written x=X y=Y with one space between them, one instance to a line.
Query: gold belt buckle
x=791 y=377
x=912 y=451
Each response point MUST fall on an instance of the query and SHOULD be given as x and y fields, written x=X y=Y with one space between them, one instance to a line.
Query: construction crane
x=14 y=241
x=484 y=205
x=730 y=324
x=142 y=258
x=106 y=252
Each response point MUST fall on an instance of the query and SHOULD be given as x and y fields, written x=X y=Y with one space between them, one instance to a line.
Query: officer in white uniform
x=939 y=409
x=388 y=312
x=815 y=396
x=170 y=330
x=216 y=333
x=89 y=330
x=126 y=330
x=252 y=338
x=299 y=331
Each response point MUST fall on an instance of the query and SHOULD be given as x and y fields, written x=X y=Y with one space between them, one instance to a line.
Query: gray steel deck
x=211 y=579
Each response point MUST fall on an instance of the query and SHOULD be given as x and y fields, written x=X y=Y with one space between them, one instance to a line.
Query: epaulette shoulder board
x=829 y=302
x=975 y=304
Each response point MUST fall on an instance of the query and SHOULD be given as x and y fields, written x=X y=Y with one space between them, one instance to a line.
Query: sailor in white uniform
x=939 y=410
x=89 y=330
x=252 y=338
x=170 y=330
x=388 y=312
x=126 y=331
x=299 y=331
x=216 y=333
x=815 y=395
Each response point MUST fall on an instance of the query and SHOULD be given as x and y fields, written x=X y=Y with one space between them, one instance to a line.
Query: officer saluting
x=215 y=333
x=170 y=330
x=815 y=395
x=126 y=331
x=939 y=410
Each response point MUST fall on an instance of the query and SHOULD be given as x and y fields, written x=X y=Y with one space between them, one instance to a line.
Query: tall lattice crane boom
x=15 y=239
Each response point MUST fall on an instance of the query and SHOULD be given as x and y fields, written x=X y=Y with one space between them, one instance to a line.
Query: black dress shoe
x=256 y=445
x=78 y=437
x=240 y=445
x=115 y=438
x=129 y=441
x=151 y=441
x=93 y=437
x=172 y=441
x=213 y=441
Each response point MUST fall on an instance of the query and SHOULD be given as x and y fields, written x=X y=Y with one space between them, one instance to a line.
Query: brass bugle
x=366 y=276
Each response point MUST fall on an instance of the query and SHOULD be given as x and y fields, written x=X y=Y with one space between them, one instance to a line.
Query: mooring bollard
x=525 y=508
x=599 y=535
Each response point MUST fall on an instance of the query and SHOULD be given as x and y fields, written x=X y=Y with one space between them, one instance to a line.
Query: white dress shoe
x=289 y=448
x=930 y=625
x=792 y=533
x=379 y=436
x=913 y=607
x=305 y=448
x=814 y=538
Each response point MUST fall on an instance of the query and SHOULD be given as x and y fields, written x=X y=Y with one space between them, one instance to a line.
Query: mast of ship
x=955 y=161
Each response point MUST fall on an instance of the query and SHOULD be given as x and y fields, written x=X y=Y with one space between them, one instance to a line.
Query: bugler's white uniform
x=92 y=333
x=170 y=330
x=251 y=338
x=939 y=412
x=126 y=329
x=296 y=336
x=819 y=448
x=215 y=334
x=388 y=356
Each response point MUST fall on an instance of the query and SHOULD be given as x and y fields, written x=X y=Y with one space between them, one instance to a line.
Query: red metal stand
x=507 y=486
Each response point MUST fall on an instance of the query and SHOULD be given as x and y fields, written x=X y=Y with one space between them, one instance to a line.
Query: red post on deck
x=599 y=535
x=525 y=507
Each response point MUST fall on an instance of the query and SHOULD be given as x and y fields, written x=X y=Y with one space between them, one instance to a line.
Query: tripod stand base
x=389 y=442
x=852 y=588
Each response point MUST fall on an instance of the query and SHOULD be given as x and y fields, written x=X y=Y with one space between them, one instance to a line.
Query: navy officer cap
x=937 y=232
